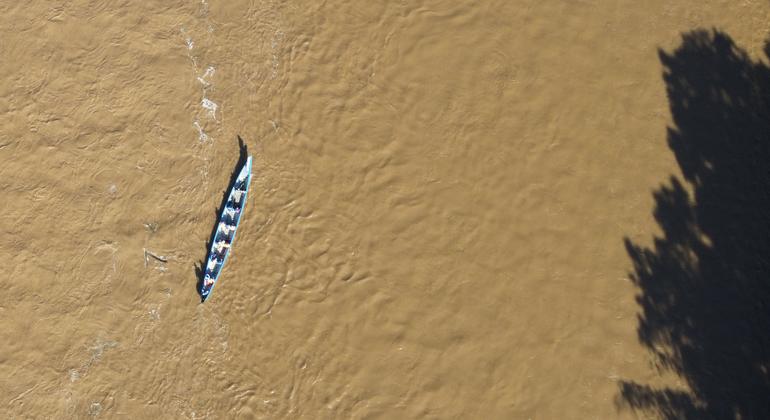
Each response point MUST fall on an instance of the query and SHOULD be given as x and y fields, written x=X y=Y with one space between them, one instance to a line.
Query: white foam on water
x=204 y=79
x=275 y=43
x=202 y=136
x=95 y=409
x=154 y=312
x=211 y=106
x=190 y=44
x=187 y=40
x=209 y=72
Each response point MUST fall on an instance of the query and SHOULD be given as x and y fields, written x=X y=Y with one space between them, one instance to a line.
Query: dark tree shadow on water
x=704 y=286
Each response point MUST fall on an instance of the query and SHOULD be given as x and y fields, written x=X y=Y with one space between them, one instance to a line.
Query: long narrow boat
x=227 y=225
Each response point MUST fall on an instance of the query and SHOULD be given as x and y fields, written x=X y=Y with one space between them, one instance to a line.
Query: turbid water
x=436 y=225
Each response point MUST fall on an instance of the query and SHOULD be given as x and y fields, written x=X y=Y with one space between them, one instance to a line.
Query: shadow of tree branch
x=704 y=285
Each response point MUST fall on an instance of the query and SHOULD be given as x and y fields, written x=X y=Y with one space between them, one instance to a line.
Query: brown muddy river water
x=452 y=214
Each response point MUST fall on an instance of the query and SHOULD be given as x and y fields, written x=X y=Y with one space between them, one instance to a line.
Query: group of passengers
x=225 y=232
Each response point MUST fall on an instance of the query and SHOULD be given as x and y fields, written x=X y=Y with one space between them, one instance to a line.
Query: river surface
x=437 y=214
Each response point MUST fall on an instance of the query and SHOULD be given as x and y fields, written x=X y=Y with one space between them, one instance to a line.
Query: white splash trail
x=210 y=106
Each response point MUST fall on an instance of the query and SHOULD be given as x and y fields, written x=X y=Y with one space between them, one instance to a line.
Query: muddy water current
x=437 y=216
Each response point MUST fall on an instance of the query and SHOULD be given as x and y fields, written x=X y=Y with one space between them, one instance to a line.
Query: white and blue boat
x=227 y=225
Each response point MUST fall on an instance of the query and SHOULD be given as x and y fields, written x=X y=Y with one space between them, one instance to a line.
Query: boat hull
x=227 y=227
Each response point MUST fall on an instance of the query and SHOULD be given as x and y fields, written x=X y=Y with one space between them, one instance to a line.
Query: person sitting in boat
x=212 y=263
x=220 y=246
x=208 y=281
x=232 y=212
x=237 y=198
x=221 y=238
x=226 y=229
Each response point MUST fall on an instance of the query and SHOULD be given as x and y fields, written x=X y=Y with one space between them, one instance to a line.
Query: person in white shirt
x=226 y=229
x=212 y=264
x=220 y=246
